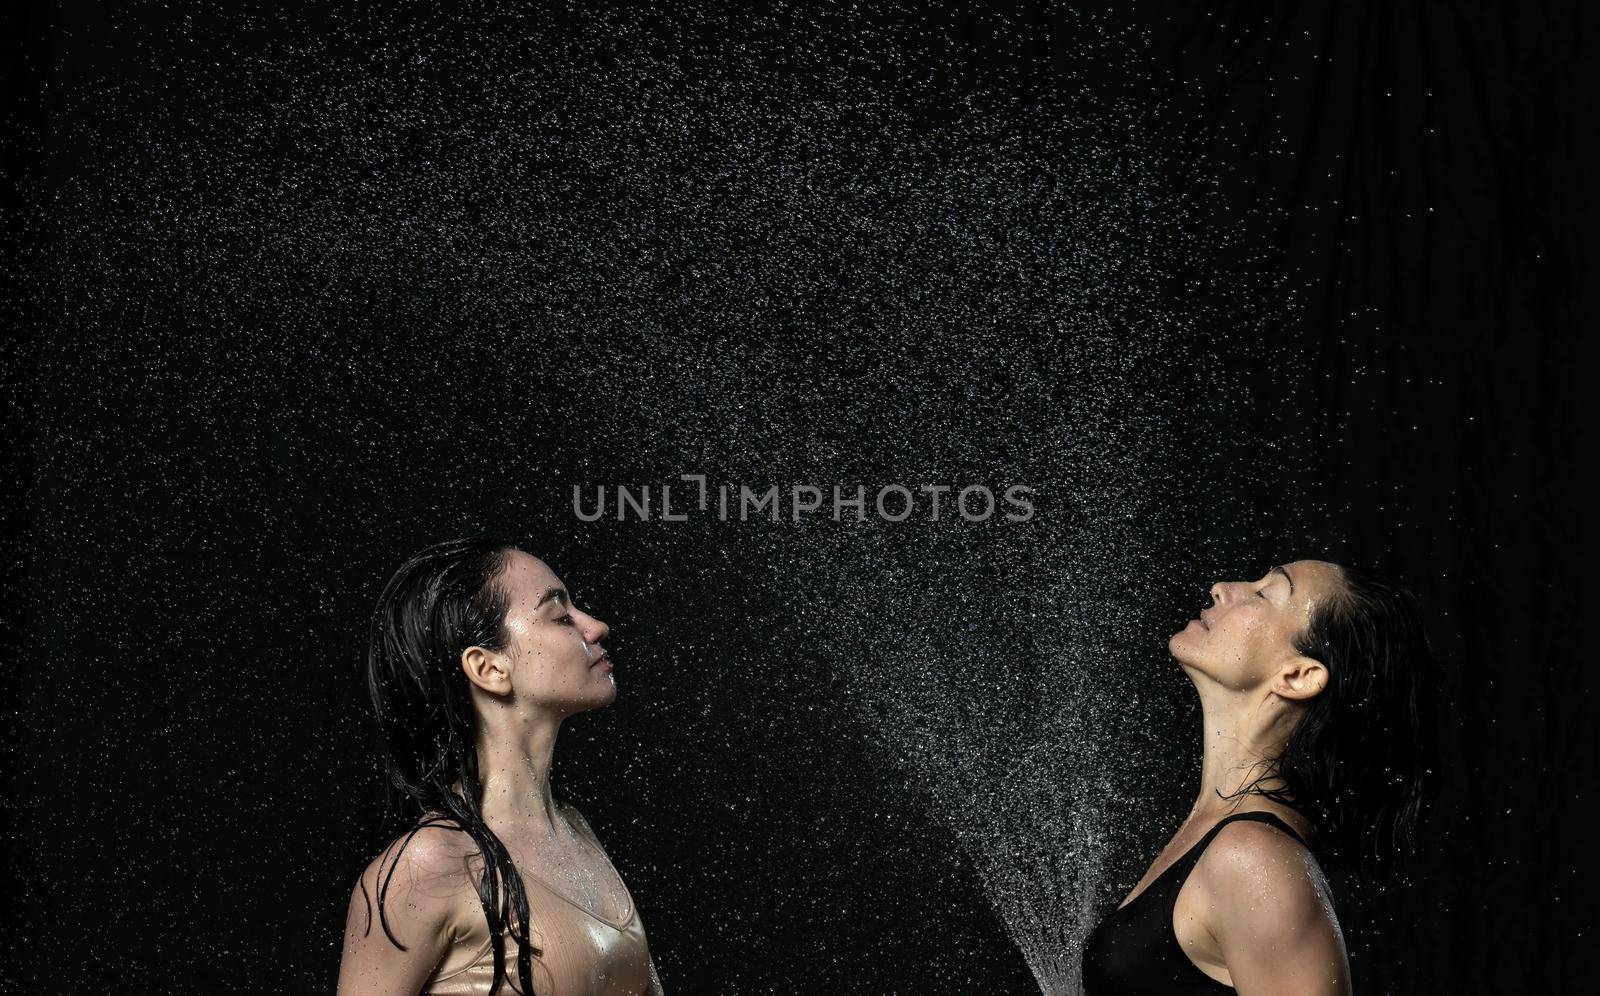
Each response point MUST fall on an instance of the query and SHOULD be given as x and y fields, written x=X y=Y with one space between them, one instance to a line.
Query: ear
x=1301 y=679
x=488 y=670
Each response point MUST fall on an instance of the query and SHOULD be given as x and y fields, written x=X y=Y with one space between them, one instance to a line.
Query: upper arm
x=1272 y=915
x=427 y=883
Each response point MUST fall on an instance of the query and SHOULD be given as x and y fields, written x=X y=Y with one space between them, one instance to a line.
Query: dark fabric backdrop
x=199 y=521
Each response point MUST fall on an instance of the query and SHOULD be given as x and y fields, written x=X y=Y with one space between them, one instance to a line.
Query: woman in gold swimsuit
x=477 y=655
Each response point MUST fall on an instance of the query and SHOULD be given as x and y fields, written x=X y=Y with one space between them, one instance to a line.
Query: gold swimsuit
x=580 y=953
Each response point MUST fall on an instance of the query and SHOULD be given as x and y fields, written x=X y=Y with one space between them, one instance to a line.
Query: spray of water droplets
x=780 y=251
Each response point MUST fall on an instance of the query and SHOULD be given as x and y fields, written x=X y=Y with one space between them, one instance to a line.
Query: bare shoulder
x=433 y=854
x=425 y=877
x=406 y=909
x=1267 y=909
x=1262 y=879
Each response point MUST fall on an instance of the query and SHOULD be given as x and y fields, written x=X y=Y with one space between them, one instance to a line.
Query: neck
x=1241 y=733
x=514 y=758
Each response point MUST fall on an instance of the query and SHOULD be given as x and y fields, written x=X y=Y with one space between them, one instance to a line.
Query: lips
x=604 y=660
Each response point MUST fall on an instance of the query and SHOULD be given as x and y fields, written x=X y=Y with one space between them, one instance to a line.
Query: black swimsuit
x=1134 y=951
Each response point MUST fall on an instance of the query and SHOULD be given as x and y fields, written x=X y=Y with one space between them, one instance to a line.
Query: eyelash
x=565 y=620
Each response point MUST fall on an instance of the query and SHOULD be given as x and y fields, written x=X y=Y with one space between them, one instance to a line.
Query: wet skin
x=1255 y=913
x=552 y=667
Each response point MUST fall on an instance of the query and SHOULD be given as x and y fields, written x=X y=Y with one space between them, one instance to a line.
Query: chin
x=1178 y=647
x=1176 y=642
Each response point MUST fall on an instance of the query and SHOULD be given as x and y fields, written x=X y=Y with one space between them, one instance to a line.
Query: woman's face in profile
x=1248 y=633
x=554 y=652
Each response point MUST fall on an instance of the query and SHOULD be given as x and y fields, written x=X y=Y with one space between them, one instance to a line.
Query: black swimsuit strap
x=1255 y=816
x=1179 y=870
x=1172 y=880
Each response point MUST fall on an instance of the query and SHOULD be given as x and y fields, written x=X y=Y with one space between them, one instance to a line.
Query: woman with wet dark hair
x=477 y=654
x=1317 y=691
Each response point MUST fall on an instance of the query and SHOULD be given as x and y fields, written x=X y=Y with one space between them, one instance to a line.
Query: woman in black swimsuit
x=1317 y=691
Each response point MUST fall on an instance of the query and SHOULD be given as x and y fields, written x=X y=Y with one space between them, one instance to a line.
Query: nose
x=1216 y=593
x=596 y=630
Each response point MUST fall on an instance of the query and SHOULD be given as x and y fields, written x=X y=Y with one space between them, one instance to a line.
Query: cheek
x=537 y=672
x=1232 y=643
x=553 y=661
x=554 y=645
x=1240 y=634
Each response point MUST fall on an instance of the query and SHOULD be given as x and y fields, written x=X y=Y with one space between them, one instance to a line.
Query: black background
x=206 y=502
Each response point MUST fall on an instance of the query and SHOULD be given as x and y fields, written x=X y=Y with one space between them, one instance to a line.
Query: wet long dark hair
x=1363 y=764
x=440 y=602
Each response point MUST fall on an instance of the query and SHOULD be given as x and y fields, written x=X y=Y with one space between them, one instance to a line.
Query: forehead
x=1313 y=578
x=527 y=577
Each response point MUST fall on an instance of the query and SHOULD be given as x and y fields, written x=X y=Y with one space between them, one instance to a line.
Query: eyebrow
x=558 y=593
x=1286 y=577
